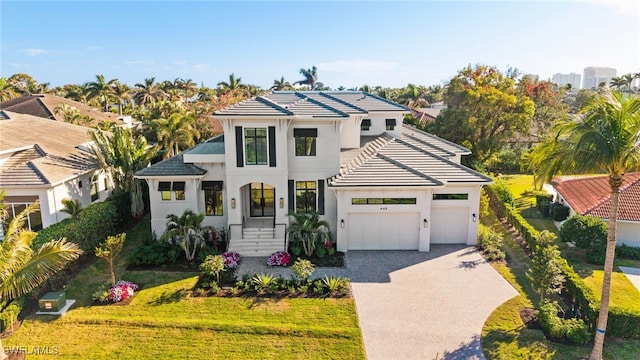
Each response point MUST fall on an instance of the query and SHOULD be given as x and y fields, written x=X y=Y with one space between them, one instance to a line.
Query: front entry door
x=263 y=200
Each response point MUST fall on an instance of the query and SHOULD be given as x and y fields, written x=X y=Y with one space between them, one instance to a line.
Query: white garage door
x=389 y=231
x=449 y=225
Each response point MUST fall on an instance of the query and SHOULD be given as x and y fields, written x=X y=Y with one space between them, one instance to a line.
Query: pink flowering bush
x=280 y=258
x=231 y=259
x=122 y=290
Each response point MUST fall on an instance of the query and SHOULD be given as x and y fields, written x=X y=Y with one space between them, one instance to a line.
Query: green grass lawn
x=164 y=322
x=523 y=191
x=504 y=335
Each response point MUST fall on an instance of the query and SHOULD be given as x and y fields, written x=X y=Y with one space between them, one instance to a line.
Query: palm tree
x=72 y=207
x=234 y=84
x=281 y=84
x=414 y=96
x=122 y=93
x=174 y=133
x=6 y=90
x=628 y=79
x=607 y=139
x=309 y=230
x=22 y=269
x=121 y=154
x=102 y=90
x=310 y=78
x=148 y=93
x=189 y=87
x=185 y=230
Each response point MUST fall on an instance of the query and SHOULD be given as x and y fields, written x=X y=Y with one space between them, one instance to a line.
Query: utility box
x=53 y=301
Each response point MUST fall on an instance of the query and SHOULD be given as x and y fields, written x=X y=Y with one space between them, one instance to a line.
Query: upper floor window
x=365 y=125
x=305 y=196
x=255 y=140
x=305 y=141
x=212 y=198
x=390 y=124
x=168 y=187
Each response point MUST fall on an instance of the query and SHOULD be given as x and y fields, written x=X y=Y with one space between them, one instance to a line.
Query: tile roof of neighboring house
x=592 y=195
x=41 y=151
x=426 y=114
x=311 y=103
x=386 y=161
x=174 y=166
x=44 y=105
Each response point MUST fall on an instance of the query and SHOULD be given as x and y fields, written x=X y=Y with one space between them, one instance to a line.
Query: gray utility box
x=53 y=301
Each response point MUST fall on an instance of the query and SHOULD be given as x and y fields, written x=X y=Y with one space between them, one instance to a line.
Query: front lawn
x=164 y=322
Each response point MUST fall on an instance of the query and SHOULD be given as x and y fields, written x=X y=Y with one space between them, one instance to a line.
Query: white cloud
x=356 y=66
x=623 y=7
x=34 y=52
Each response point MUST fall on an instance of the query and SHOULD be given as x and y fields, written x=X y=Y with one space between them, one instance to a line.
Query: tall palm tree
x=174 y=133
x=22 y=269
x=122 y=93
x=310 y=78
x=233 y=84
x=281 y=84
x=186 y=230
x=189 y=87
x=148 y=92
x=121 y=154
x=102 y=90
x=607 y=139
x=628 y=79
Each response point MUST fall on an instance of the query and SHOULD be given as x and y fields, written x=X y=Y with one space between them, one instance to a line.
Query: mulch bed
x=529 y=317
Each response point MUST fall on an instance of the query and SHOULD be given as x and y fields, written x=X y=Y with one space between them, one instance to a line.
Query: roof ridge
x=608 y=196
x=367 y=152
x=35 y=169
x=271 y=103
x=321 y=104
x=324 y=94
x=408 y=168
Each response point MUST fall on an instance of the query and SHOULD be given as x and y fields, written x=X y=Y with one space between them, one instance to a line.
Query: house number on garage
x=383 y=208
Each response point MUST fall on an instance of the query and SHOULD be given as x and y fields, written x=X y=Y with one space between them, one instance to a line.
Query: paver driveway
x=421 y=305
x=415 y=305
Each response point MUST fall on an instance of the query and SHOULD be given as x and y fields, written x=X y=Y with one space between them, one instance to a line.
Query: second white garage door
x=449 y=225
x=383 y=231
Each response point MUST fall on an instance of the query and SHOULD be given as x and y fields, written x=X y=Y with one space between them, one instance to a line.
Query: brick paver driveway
x=421 y=305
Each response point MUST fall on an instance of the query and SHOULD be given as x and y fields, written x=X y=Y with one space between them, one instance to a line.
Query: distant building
x=575 y=80
x=594 y=76
x=533 y=77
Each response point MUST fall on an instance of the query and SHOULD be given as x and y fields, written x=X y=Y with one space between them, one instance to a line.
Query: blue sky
x=352 y=43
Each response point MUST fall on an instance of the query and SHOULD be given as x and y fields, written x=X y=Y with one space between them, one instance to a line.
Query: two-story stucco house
x=344 y=154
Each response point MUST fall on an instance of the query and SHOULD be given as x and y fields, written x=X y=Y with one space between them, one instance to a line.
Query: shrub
x=264 y=283
x=574 y=330
x=502 y=190
x=280 y=258
x=559 y=212
x=597 y=251
x=121 y=291
x=628 y=252
x=231 y=259
x=336 y=285
x=213 y=265
x=155 y=254
x=10 y=312
x=581 y=230
x=545 y=272
x=543 y=204
x=490 y=243
x=302 y=269
x=101 y=295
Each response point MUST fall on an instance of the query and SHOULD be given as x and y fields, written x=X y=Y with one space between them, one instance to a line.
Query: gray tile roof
x=385 y=161
x=430 y=141
x=311 y=103
x=214 y=146
x=174 y=166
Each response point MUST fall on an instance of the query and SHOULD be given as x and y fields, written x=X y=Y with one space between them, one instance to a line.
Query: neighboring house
x=592 y=196
x=45 y=105
x=343 y=154
x=47 y=161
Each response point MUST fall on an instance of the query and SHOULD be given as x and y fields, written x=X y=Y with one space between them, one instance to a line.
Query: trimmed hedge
x=574 y=330
x=628 y=252
x=622 y=322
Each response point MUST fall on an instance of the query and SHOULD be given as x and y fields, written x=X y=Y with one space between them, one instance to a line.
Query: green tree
x=22 y=269
x=72 y=207
x=546 y=269
x=234 y=84
x=309 y=231
x=310 y=78
x=101 y=89
x=484 y=111
x=186 y=231
x=148 y=92
x=109 y=250
x=281 y=84
x=549 y=106
x=606 y=139
x=6 y=90
x=121 y=154
x=213 y=265
x=175 y=133
x=122 y=93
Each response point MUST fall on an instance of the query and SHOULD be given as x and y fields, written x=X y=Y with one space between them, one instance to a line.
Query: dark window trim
x=298 y=132
x=383 y=201
x=451 y=196
x=211 y=185
x=178 y=186
x=164 y=186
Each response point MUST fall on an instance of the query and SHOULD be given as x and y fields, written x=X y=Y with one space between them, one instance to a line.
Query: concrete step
x=256 y=246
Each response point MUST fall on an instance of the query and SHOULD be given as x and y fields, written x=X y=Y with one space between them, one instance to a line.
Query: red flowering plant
x=280 y=258
x=231 y=259
x=122 y=290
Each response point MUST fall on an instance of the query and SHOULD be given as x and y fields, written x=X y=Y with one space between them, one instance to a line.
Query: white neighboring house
x=592 y=196
x=344 y=154
x=46 y=160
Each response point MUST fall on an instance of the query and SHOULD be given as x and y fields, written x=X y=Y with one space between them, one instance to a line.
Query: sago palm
x=606 y=139
x=21 y=268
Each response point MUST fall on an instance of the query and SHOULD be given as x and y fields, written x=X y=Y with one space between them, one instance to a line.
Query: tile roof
x=592 y=195
x=44 y=105
x=213 y=146
x=41 y=151
x=311 y=103
x=431 y=142
x=174 y=166
x=386 y=161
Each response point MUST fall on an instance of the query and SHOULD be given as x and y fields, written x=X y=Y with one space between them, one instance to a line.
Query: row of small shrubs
x=628 y=252
x=621 y=322
x=267 y=285
x=490 y=243
x=574 y=330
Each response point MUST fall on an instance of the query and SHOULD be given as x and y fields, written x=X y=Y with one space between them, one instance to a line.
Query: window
x=167 y=187
x=305 y=196
x=365 y=125
x=255 y=140
x=305 y=141
x=383 y=201
x=450 y=196
x=390 y=124
x=95 y=194
x=14 y=205
x=212 y=198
